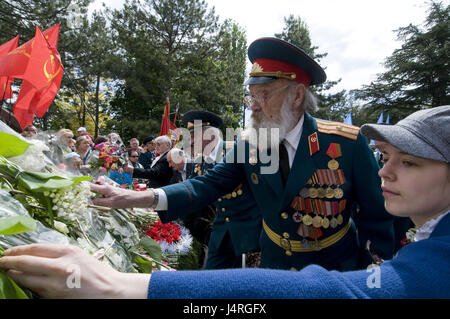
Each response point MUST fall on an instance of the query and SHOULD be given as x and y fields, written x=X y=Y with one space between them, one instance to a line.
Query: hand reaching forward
x=121 y=198
x=64 y=271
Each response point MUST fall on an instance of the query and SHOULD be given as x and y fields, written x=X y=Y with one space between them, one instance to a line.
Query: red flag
x=5 y=87
x=41 y=80
x=165 y=126
x=44 y=63
x=5 y=81
x=21 y=109
x=15 y=62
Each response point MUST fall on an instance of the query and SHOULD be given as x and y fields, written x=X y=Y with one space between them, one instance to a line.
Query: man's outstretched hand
x=121 y=198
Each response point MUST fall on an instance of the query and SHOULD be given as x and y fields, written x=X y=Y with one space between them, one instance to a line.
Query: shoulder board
x=338 y=128
x=229 y=144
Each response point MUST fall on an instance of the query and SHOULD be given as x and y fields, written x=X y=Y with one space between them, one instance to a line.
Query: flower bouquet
x=173 y=239
x=60 y=206
x=110 y=158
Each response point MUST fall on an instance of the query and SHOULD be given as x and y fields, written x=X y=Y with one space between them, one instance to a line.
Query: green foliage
x=332 y=106
x=16 y=225
x=417 y=74
x=10 y=226
x=152 y=248
x=12 y=145
x=173 y=49
x=192 y=260
x=9 y=289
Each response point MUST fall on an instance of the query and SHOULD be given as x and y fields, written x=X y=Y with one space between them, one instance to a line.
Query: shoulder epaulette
x=338 y=128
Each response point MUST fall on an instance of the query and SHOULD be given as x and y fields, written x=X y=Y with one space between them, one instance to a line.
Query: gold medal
x=228 y=196
x=234 y=194
x=317 y=221
x=340 y=219
x=333 y=222
x=239 y=192
x=254 y=178
x=333 y=164
x=320 y=192
x=325 y=223
x=338 y=193
x=307 y=220
x=329 y=192
x=313 y=193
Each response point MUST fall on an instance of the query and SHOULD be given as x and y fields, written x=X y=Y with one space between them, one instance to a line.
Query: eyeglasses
x=251 y=100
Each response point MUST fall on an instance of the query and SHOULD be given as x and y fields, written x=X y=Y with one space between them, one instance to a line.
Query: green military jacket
x=329 y=210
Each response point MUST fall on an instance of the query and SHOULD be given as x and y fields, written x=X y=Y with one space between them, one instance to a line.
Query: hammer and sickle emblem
x=51 y=76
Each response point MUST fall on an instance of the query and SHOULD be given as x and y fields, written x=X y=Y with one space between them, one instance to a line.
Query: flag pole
x=82 y=101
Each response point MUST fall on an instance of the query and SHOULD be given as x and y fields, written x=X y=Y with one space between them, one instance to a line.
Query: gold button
x=220 y=199
x=234 y=194
x=288 y=253
x=227 y=219
x=223 y=209
x=284 y=215
x=285 y=235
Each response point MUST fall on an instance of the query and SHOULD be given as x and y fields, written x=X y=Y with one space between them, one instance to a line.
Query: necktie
x=284 y=163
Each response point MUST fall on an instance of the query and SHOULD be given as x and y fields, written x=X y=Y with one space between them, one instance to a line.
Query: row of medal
x=327 y=213
x=325 y=177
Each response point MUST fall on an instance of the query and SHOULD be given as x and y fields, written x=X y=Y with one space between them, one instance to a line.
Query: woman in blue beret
x=415 y=182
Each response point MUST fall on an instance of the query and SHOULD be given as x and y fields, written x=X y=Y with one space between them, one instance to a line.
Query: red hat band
x=280 y=69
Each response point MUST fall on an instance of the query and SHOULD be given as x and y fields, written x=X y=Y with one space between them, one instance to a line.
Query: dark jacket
x=159 y=175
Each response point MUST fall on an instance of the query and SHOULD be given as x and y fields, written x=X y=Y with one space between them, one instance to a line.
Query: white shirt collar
x=213 y=154
x=293 y=137
x=425 y=231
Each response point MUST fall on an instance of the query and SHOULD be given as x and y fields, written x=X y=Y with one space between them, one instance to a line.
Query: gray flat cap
x=424 y=133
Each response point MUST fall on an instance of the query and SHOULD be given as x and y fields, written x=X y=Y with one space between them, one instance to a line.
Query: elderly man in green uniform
x=325 y=168
x=236 y=219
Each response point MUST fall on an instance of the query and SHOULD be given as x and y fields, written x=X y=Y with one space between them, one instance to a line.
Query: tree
x=22 y=17
x=332 y=106
x=417 y=74
x=174 y=49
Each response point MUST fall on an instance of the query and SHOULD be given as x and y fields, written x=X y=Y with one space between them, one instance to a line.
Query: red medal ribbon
x=334 y=150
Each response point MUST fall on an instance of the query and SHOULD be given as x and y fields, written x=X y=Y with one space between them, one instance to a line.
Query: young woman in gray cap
x=415 y=182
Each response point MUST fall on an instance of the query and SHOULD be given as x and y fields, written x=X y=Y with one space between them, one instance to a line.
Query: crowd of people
x=325 y=222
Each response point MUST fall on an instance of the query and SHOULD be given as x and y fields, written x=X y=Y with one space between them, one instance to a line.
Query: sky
x=358 y=35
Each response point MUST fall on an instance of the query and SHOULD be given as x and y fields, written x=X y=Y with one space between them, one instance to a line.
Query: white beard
x=264 y=134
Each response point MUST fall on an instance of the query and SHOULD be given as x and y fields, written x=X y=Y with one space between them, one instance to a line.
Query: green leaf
x=11 y=145
x=34 y=183
x=9 y=289
x=145 y=265
x=16 y=225
x=81 y=179
x=152 y=248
